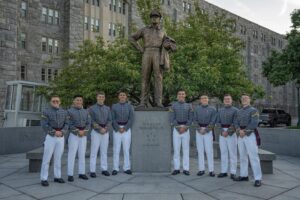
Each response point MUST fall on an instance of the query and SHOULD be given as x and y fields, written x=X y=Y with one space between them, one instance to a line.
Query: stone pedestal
x=151 y=142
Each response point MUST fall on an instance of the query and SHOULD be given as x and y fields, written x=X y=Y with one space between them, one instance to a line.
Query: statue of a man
x=155 y=57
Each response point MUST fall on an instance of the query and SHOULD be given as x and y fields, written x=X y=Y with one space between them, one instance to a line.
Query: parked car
x=274 y=116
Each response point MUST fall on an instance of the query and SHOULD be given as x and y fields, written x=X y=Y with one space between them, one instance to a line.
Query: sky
x=272 y=14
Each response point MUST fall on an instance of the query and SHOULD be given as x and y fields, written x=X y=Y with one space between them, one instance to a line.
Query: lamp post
x=298 y=87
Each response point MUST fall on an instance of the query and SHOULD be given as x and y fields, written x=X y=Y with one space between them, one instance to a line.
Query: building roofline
x=263 y=27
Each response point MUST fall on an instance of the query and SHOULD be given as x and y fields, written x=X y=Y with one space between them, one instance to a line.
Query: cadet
x=79 y=125
x=122 y=120
x=101 y=119
x=205 y=116
x=181 y=117
x=226 y=121
x=247 y=122
x=55 y=125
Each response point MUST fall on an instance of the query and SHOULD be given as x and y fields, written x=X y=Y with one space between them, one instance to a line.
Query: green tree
x=208 y=60
x=283 y=67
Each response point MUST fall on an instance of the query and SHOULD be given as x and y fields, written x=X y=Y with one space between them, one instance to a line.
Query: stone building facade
x=34 y=33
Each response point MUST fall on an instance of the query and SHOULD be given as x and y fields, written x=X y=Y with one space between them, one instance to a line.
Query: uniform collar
x=228 y=106
x=181 y=102
x=76 y=108
x=98 y=104
x=204 y=106
x=155 y=27
x=246 y=107
x=122 y=103
x=54 y=108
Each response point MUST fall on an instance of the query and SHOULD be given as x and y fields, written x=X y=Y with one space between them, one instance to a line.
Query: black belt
x=225 y=125
x=80 y=128
x=182 y=123
x=122 y=123
x=203 y=125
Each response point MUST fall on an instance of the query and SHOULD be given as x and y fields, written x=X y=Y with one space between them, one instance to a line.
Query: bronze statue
x=155 y=57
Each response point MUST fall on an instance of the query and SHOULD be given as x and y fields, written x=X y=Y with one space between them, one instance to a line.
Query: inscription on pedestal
x=151 y=142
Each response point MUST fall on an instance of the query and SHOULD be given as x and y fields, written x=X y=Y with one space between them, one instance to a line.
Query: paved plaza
x=17 y=183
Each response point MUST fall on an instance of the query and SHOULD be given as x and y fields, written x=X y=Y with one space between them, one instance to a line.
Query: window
x=169 y=2
x=97 y=25
x=92 y=24
x=120 y=6
x=255 y=34
x=86 y=23
x=56 y=46
x=56 y=17
x=50 y=45
x=162 y=1
x=114 y=29
x=109 y=29
x=44 y=14
x=86 y=1
x=263 y=37
x=255 y=49
x=243 y=30
x=110 y=4
x=115 y=6
x=55 y=73
x=174 y=15
x=184 y=6
x=23 y=72
x=23 y=9
x=124 y=8
x=98 y=2
x=189 y=7
x=49 y=74
x=255 y=63
x=50 y=16
x=273 y=41
x=23 y=40
x=43 y=74
x=44 y=44
x=280 y=43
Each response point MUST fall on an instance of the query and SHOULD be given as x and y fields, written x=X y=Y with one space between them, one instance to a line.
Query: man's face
x=181 y=96
x=245 y=100
x=55 y=102
x=155 y=20
x=204 y=100
x=122 y=97
x=227 y=101
x=78 y=102
x=100 y=99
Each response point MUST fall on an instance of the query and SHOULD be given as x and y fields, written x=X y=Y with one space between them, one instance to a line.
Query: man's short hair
x=246 y=94
x=181 y=90
x=54 y=96
x=227 y=95
x=100 y=93
x=77 y=95
x=204 y=94
x=122 y=91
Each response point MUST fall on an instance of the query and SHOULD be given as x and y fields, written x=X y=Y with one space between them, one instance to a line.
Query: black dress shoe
x=232 y=176
x=175 y=172
x=200 y=173
x=222 y=175
x=257 y=183
x=114 y=172
x=212 y=174
x=59 y=180
x=129 y=172
x=240 y=178
x=93 y=175
x=44 y=183
x=105 y=173
x=185 y=172
x=83 y=176
x=70 y=178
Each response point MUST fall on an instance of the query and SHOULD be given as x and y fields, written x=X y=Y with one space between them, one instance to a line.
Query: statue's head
x=155 y=17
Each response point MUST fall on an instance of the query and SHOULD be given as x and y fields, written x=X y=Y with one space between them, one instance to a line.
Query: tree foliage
x=283 y=67
x=208 y=60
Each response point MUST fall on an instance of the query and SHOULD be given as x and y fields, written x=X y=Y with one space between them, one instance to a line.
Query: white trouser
x=123 y=139
x=99 y=141
x=76 y=144
x=248 y=147
x=228 y=145
x=205 y=143
x=184 y=140
x=52 y=145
